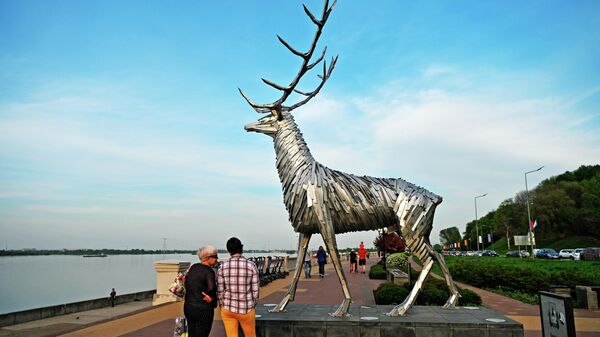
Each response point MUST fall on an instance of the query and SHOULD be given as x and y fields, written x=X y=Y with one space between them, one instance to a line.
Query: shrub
x=390 y=293
x=468 y=298
x=377 y=272
x=397 y=261
x=435 y=292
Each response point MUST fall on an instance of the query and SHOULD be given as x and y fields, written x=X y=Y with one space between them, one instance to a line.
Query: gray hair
x=206 y=251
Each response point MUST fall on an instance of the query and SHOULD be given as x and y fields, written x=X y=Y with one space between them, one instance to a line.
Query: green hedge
x=435 y=292
x=377 y=272
x=523 y=275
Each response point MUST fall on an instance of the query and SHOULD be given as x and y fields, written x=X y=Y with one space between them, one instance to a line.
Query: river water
x=28 y=282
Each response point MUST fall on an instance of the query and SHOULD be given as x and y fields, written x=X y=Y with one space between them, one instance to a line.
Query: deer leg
x=303 y=241
x=454 y=294
x=400 y=310
x=329 y=238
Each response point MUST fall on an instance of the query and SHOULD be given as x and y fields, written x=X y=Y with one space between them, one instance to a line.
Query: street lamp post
x=476 y=220
x=528 y=212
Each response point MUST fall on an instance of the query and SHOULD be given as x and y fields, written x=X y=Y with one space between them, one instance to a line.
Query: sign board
x=523 y=240
x=556 y=312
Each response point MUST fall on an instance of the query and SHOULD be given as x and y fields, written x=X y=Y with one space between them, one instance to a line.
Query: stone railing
x=166 y=272
x=68 y=308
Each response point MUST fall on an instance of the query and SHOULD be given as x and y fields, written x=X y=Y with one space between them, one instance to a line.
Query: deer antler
x=277 y=106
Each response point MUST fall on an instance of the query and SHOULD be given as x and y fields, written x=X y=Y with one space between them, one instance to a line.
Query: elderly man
x=200 y=293
x=237 y=289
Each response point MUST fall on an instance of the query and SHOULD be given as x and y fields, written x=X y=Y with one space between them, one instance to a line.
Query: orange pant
x=231 y=321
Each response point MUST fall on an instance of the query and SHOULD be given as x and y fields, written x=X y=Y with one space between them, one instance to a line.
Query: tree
x=567 y=204
x=450 y=235
x=389 y=242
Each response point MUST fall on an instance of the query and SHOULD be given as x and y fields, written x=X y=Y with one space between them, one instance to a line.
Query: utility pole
x=164 y=247
x=476 y=220
x=528 y=212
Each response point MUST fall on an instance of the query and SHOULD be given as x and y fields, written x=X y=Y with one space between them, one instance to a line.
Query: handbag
x=181 y=328
x=177 y=288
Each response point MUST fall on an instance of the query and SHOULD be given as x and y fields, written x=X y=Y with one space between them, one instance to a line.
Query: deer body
x=356 y=203
x=323 y=201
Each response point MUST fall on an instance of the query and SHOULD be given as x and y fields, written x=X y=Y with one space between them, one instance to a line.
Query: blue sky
x=121 y=124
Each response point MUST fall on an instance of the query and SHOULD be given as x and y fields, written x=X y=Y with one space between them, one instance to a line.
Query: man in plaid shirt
x=237 y=291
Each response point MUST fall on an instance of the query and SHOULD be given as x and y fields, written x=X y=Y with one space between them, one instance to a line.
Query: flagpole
x=528 y=212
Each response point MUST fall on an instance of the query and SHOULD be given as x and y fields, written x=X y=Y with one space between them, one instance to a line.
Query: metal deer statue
x=329 y=202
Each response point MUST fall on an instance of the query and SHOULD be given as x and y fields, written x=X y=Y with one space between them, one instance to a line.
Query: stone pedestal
x=311 y=320
x=587 y=298
x=166 y=272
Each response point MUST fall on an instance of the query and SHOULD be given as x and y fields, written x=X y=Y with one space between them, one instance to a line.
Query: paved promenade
x=140 y=319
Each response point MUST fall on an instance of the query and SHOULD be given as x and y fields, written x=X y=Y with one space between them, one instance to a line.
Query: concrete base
x=587 y=298
x=311 y=320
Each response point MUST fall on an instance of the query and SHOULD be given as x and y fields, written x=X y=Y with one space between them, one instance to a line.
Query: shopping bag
x=180 y=327
x=177 y=288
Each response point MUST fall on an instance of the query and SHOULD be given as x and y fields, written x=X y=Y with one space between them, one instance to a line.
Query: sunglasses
x=213 y=256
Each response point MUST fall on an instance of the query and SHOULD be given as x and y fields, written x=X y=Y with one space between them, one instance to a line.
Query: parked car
x=471 y=253
x=590 y=253
x=566 y=253
x=546 y=253
x=577 y=254
x=489 y=253
x=517 y=253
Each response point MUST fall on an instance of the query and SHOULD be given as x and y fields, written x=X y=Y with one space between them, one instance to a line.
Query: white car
x=566 y=253
x=577 y=254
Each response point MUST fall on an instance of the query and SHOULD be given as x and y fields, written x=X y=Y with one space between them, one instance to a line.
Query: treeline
x=28 y=252
x=564 y=205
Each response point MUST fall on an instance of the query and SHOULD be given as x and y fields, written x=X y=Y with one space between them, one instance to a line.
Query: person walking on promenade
x=201 y=293
x=112 y=297
x=307 y=264
x=237 y=291
x=321 y=259
x=362 y=259
x=353 y=262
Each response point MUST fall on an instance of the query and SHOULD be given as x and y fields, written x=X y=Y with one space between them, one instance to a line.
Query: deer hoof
x=281 y=306
x=342 y=310
x=452 y=301
x=398 y=311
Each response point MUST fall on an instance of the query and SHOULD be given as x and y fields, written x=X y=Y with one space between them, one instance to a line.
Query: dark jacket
x=200 y=278
x=321 y=256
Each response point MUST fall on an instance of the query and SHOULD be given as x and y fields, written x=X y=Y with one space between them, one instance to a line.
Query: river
x=28 y=282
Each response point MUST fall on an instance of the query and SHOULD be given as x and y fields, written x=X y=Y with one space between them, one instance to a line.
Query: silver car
x=577 y=254
x=566 y=253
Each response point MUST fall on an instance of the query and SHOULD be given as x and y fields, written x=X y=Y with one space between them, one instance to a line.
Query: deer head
x=269 y=125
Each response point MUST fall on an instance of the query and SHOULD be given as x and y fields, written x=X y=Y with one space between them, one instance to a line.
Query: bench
x=397 y=276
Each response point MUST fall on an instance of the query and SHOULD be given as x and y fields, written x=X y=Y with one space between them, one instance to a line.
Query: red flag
x=533 y=224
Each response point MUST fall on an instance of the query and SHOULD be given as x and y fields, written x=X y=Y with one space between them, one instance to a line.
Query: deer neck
x=291 y=150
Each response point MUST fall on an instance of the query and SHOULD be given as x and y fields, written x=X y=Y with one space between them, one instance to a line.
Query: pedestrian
x=362 y=259
x=322 y=260
x=307 y=264
x=112 y=297
x=237 y=290
x=353 y=262
x=201 y=293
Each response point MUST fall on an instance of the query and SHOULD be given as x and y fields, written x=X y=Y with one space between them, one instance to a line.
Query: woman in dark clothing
x=201 y=293
x=321 y=259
